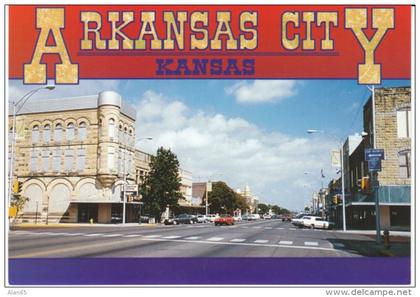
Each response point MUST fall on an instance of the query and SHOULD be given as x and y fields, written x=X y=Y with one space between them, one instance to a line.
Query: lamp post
x=17 y=106
x=343 y=196
x=125 y=177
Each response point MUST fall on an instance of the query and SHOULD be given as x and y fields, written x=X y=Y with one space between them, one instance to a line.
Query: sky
x=244 y=132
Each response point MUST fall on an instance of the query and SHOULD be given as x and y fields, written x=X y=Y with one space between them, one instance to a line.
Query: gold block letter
x=50 y=20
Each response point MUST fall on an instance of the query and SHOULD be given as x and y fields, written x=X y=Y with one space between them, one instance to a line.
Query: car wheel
x=175 y=223
x=312 y=226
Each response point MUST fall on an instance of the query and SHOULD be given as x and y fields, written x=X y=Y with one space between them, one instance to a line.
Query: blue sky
x=243 y=132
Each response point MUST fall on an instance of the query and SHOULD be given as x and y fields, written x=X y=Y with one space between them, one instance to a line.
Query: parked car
x=202 y=219
x=181 y=219
x=224 y=219
x=237 y=218
x=254 y=217
x=245 y=218
x=267 y=217
x=315 y=222
x=286 y=218
x=212 y=217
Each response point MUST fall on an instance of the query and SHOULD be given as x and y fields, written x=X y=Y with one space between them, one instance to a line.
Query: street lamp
x=125 y=178
x=17 y=106
x=343 y=196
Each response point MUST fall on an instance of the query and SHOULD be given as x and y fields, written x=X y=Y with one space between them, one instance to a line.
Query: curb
x=77 y=225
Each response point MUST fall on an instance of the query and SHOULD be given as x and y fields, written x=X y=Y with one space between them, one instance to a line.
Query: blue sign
x=374 y=164
x=374 y=154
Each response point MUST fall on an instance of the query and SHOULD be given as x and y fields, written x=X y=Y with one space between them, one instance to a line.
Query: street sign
x=374 y=164
x=131 y=188
x=374 y=154
x=209 y=186
x=335 y=158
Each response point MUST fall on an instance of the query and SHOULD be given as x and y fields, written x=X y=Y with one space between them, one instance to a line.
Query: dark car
x=181 y=219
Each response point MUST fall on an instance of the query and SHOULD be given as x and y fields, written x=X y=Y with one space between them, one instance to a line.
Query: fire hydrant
x=386 y=239
x=91 y=221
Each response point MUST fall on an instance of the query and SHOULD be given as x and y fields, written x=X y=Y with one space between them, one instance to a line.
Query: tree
x=161 y=186
x=262 y=208
x=307 y=209
x=222 y=199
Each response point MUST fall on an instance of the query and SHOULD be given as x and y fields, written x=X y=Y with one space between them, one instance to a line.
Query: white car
x=267 y=217
x=212 y=217
x=237 y=218
x=315 y=222
x=202 y=219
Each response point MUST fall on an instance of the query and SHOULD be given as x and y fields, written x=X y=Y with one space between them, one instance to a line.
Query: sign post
x=374 y=157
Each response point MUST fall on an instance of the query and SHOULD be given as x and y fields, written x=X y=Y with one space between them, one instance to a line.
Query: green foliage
x=19 y=201
x=262 y=208
x=161 y=187
x=222 y=199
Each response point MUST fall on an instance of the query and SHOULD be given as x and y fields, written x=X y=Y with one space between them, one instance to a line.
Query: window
x=81 y=159
x=57 y=160
x=111 y=160
x=45 y=160
x=404 y=159
x=120 y=161
x=111 y=128
x=82 y=131
x=403 y=123
x=47 y=133
x=35 y=134
x=34 y=159
x=58 y=132
x=69 y=160
x=70 y=132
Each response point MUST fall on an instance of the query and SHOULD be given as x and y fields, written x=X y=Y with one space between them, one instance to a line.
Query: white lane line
x=280 y=228
x=132 y=235
x=286 y=242
x=172 y=236
x=238 y=240
x=112 y=235
x=268 y=228
x=214 y=238
x=73 y=234
x=193 y=237
x=261 y=241
x=93 y=234
x=292 y=229
x=311 y=243
x=257 y=227
x=153 y=236
x=339 y=245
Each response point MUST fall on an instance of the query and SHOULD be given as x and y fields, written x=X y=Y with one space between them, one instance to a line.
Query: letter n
x=50 y=20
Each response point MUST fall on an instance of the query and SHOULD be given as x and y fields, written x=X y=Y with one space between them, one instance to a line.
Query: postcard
x=210 y=145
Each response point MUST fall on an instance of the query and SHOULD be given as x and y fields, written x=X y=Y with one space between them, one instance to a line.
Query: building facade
x=73 y=157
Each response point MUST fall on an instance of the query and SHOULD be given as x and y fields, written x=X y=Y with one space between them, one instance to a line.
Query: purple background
x=210 y=271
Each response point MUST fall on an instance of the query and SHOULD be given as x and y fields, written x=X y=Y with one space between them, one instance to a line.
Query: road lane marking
x=93 y=234
x=73 y=234
x=257 y=227
x=120 y=242
x=268 y=228
x=172 y=236
x=112 y=235
x=280 y=228
x=153 y=236
x=214 y=238
x=286 y=242
x=132 y=235
x=261 y=241
x=292 y=228
x=238 y=240
x=193 y=237
x=311 y=243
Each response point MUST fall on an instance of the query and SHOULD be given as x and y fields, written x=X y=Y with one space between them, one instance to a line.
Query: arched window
x=70 y=132
x=111 y=128
x=47 y=133
x=58 y=132
x=35 y=134
x=82 y=131
x=404 y=160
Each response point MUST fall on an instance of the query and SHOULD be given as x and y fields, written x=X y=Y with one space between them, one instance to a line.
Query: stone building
x=73 y=156
x=393 y=129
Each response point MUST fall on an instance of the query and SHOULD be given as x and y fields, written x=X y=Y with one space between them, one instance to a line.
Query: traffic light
x=16 y=187
x=365 y=184
x=334 y=199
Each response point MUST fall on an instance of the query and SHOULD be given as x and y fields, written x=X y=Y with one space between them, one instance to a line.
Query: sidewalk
x=73 y=225
x=373 y=232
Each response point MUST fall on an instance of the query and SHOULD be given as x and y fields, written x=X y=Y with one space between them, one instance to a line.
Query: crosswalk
x=201 y=239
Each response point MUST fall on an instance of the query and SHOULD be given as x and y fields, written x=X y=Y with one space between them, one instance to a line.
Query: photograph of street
x=210 y=168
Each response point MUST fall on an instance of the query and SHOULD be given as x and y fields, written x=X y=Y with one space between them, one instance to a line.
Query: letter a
x=382 y=20
x=50 y=20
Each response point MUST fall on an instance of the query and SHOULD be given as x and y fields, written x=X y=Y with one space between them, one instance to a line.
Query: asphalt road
x=264 y=238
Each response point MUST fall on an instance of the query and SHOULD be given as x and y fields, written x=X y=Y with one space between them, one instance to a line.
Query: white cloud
x=234 y=150
x=261 y=91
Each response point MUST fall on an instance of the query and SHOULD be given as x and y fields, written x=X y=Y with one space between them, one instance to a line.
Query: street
x=263 y=238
